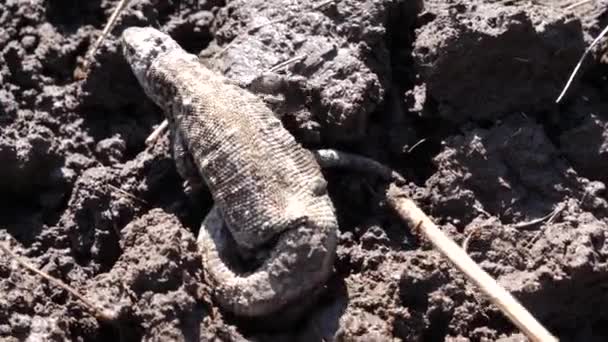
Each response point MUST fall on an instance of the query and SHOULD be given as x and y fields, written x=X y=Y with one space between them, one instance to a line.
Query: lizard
x=269 y=193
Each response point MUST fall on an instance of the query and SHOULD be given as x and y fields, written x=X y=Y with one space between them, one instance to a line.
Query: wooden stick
x=413 y=216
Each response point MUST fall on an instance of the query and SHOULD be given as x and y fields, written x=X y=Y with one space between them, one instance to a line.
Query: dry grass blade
x=413 y=216
x=101 y=314
x=549 y=217
x=580 y=62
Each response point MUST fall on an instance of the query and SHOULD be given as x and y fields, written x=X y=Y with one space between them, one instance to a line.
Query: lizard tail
x=294 y=268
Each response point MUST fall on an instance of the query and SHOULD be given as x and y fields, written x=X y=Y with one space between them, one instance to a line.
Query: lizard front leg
x=184 y=163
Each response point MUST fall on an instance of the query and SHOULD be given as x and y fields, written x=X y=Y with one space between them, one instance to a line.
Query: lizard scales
x=265 y=186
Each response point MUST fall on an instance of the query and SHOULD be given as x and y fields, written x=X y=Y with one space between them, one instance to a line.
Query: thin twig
x=101 y=314
x=88 y=58
x=412 y=215
x=409 y=150
x=576 y=4
x=580 y=62
x=128 y=194
x=549 y=216
x=151 y=139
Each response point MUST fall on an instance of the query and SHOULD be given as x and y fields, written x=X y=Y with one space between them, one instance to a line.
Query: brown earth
x=459 y=96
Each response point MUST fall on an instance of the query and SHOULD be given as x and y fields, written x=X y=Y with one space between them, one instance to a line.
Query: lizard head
x=141 y=46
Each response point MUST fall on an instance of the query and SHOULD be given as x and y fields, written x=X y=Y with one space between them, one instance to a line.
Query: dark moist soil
x=458 y=96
